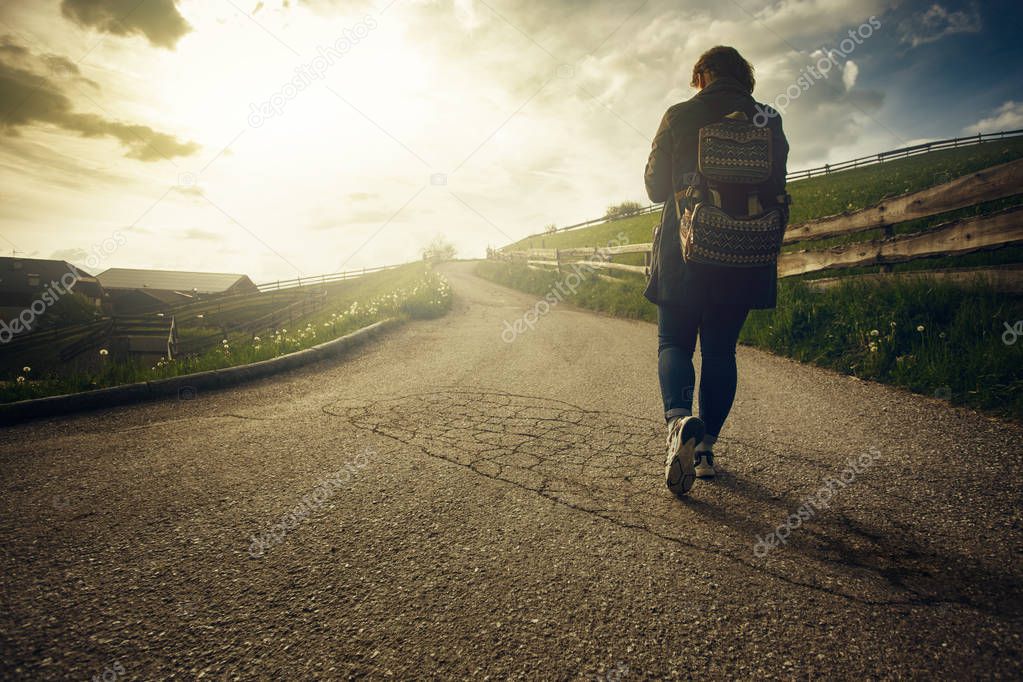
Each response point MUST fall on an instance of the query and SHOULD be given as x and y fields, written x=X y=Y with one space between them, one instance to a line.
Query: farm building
x=134 y=291
x=24 y=281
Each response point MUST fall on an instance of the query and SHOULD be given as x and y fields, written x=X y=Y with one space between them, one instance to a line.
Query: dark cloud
x=29 y=98
x=14 y=53
x=10 y=50
x=938 y=22
x=158 y=20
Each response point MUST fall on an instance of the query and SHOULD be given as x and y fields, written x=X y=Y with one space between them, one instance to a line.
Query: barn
x=136 y=291
x=24 y=281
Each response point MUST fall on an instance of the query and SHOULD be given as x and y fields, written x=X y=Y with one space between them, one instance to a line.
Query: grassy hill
x=821 y=196
x=932 y=338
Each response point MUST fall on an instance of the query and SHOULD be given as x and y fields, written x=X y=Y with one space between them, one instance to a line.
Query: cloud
x=28 y=98
x=1009 y=116
x=849 y=73
x=938 y=22
x=14 y=53
x=158 y=20
x=202 y=235
x=70 y=255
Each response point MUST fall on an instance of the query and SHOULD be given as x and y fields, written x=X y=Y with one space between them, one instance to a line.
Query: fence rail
x=322 y=279
x=874 y=159
x=904 y=152
x=956 y=237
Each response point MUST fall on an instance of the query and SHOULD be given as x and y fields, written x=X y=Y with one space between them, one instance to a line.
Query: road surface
x=447 y=504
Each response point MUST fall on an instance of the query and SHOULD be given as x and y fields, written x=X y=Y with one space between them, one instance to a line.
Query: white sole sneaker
x=705 y=465
x=680 y=465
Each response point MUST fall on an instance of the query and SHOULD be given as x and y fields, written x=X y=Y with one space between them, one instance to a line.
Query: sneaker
x=679 y=467
x=705 y=464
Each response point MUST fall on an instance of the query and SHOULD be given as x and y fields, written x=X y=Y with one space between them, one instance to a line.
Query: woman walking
x=696 y=297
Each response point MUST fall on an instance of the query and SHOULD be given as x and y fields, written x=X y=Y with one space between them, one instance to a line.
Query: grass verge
x=410 y=293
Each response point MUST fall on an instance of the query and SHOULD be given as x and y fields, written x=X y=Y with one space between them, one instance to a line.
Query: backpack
x=730 y=218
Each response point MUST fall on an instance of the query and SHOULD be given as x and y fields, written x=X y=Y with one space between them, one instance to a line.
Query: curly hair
x=724 y=61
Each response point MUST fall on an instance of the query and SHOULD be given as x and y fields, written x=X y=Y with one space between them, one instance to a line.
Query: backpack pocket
x=709 y=235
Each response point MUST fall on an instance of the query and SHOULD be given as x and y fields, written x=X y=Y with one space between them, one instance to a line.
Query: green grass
x=958 y=356
x=873 y=331
x=622 y=298
x=412 y=292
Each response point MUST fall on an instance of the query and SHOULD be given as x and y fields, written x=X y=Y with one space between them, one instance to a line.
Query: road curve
x=448 y=504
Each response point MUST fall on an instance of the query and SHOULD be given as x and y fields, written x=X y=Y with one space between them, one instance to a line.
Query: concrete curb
x=186 y=386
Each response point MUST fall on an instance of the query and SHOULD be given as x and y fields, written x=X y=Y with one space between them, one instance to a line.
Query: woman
x=694 y=298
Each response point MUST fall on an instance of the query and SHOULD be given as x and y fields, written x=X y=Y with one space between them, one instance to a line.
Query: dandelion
x=893 y=325
x=104 y=352
x=873 y=347
x=224 y=342
x=26 y=369
x=874 y=332
x=919 y=327
x=200 y=316
x=255 y=339
x=21 y=380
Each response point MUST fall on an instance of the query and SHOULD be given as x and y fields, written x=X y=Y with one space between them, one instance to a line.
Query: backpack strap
x=693 y=190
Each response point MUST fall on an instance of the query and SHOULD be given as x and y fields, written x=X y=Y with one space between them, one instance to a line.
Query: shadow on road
x=864 y=547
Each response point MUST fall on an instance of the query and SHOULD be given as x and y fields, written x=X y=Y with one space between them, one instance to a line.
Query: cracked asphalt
x=448 y=505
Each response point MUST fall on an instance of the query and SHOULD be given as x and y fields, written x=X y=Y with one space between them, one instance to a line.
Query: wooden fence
x=321 y=280
x=952 y=238
x=826 y=169
x=269 y=323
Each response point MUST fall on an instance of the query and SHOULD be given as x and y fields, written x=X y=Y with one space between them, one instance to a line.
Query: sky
x=286 y=138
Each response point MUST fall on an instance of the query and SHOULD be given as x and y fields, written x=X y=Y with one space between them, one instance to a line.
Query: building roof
x=32 y=274
x=170 y=280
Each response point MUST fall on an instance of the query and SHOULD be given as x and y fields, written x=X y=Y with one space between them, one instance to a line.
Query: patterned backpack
x=725 y=222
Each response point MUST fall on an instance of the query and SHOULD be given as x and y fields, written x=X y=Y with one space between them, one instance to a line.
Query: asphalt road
x=478 y=508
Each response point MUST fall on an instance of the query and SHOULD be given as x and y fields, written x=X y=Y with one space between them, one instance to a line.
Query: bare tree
x=440 y=249
x=623 y=210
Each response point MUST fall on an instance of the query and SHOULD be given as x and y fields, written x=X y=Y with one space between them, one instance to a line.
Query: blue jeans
x=718 y=327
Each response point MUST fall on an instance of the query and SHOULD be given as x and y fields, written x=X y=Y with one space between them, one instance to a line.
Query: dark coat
x=672 y=280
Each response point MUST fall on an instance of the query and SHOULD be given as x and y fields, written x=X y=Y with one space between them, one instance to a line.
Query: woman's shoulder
x=687 y=113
